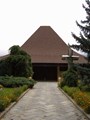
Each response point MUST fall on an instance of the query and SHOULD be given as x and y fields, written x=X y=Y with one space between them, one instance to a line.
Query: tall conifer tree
x=84 y=38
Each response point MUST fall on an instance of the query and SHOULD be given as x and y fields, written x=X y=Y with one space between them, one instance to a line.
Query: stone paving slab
x=44 y=102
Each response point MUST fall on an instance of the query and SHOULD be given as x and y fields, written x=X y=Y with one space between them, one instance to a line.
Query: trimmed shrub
x=15 y=81
x=32 y=82
x=70 y=78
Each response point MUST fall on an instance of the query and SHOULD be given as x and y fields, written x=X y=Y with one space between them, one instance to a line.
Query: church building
x=46 y=49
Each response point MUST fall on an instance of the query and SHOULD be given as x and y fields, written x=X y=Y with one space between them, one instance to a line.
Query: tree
x=18 y=63
x=84 y=38
x=14 y=50
x=84 y=44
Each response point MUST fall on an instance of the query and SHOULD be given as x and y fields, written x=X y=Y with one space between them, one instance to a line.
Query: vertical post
x=70 y=58
x=70 y=63
x=58 y=72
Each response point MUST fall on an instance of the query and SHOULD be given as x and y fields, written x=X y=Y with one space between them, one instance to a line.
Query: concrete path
x=44 y=102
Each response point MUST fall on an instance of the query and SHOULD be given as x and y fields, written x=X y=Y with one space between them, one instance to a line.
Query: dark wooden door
x=45 y=73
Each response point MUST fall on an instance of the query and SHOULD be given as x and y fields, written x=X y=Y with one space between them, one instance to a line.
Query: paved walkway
x=44 y=102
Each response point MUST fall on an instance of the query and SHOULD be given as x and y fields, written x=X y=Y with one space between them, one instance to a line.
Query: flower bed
x=81 y=98
x=8 y=95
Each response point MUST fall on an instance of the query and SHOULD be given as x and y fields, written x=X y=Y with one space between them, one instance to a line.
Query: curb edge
x=12 y=104
x=81 y=110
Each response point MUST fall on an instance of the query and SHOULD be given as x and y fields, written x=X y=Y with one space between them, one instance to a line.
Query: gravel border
x=12 y=104
x=81 y=110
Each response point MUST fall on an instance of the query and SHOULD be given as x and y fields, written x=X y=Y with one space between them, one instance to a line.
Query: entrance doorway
x=45 y=72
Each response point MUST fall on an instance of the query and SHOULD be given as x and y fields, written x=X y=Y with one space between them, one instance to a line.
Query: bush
x=31 y=84
x=70 y=78
x=15 y=81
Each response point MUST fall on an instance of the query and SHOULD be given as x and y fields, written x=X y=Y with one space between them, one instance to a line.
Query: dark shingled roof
x=45 y=46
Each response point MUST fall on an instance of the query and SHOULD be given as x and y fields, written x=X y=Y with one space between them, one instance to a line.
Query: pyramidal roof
x=45 y=46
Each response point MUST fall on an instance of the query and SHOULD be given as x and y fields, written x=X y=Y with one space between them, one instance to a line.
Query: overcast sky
x=19 y=19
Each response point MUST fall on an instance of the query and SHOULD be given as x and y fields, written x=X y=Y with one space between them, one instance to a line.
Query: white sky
x=19 y=19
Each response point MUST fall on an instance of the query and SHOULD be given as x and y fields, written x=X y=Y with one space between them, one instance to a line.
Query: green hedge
x=15 y=81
